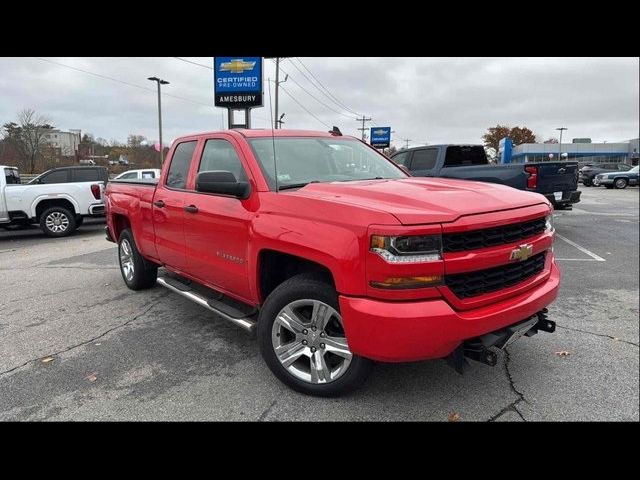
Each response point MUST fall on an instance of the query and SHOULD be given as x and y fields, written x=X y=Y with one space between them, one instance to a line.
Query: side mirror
x=222 y=182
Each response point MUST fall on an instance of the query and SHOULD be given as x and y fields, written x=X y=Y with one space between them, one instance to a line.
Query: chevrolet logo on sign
x=522 y=252
x=237 y=65
x=379 y=132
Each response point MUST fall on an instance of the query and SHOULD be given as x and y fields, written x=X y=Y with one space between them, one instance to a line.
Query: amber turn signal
x=408 y=282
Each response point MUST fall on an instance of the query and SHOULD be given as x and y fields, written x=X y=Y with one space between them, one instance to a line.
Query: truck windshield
x=303 y=160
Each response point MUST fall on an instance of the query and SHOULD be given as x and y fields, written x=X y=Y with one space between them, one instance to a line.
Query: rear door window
x=87 y=175
x=424 y=159
x=57 y=176
x=180 y=162
x=149 y=174
x=460 y=156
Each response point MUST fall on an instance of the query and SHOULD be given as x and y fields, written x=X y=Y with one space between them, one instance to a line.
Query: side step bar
x=215 y=305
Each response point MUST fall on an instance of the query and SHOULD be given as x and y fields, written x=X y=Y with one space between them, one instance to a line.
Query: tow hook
x=479 y=348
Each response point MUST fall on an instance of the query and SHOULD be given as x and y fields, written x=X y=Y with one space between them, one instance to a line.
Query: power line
x=303 y=107
x=328 y=94
x=194 y=63
x=121 y=81
x=312 y=96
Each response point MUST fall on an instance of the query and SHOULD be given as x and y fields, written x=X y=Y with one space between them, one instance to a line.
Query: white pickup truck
x=58 y=200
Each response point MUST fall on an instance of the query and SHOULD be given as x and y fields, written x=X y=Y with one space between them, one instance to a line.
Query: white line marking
x=582 y=249
x=578 y=259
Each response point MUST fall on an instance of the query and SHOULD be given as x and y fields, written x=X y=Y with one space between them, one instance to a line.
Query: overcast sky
x=428 y=100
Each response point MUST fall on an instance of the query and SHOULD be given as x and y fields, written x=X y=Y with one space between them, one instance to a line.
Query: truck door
x=217 y=226
x=423 y=162
x=168 y=208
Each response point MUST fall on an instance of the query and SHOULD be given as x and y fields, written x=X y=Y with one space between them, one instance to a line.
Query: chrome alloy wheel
x=57 y=222
x=126 y=260
x=309 y=341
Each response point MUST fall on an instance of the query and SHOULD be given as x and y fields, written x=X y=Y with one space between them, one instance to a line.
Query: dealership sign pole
x=238 y=86
x=380 y=137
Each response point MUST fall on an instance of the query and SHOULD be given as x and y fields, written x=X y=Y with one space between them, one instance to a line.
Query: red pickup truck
x=334 y=255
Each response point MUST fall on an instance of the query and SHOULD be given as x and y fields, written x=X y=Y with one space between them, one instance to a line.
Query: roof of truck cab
x=267 y=132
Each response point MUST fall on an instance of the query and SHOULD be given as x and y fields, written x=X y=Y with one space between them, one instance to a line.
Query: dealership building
x=581 y=150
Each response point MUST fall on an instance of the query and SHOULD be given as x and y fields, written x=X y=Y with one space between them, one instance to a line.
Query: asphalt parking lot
x=76 y=344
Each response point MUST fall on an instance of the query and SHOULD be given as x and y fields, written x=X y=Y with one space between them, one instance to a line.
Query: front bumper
x=602 y=181
x=421 y=330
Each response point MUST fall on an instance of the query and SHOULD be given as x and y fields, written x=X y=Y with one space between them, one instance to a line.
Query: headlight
x=548 y=223
x=408 y=249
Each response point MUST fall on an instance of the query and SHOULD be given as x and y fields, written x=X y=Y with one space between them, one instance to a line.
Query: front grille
x=490 y=237
x=471 y=284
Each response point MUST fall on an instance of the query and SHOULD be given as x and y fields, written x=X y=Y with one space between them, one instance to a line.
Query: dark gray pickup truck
x=557 y=181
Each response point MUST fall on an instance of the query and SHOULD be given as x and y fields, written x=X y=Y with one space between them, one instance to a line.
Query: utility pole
x=279 y=122
x=363 y=119
x=406 y=140
x=159 y=81
x=560 y=142
x=278 y=82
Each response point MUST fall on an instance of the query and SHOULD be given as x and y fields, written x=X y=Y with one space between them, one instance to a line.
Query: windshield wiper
x=295 y=185
x=362 y=179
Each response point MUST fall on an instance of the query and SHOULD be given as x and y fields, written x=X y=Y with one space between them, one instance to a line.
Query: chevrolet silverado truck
x=557 y=181
x=58 y=200
x=334 y=256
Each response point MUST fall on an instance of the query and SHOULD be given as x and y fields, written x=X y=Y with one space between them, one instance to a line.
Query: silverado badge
x=522 y=252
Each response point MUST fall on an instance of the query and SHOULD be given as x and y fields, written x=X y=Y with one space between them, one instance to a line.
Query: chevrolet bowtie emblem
x=522 y=252
x=379 y=132
x=237 y=65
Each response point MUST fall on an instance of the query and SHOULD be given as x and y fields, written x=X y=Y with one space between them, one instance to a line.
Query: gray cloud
x=425 y=99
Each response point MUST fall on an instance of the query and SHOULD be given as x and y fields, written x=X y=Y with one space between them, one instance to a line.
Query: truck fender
x=61 y=196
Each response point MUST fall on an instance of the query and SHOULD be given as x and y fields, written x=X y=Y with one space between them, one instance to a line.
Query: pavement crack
x=72 y=347
x=267 y=410
x=512 y=407
x=599 y=335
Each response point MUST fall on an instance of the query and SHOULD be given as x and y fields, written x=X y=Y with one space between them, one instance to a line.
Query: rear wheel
x=586 y=182
x=137 y=273
x=302 y=339
x=621 y=183
x=57 y=222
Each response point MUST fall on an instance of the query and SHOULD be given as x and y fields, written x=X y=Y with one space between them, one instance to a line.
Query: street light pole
x=159 y=81
x=560 y=142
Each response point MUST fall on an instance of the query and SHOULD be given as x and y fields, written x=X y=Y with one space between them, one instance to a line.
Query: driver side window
x=220 y=155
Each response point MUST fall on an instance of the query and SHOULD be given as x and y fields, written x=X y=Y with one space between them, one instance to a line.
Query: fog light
x=399 y=283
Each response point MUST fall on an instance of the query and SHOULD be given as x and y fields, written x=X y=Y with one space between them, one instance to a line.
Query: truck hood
x=415 y=201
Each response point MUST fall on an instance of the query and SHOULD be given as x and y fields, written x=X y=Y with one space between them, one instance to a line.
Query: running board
x=227 y=312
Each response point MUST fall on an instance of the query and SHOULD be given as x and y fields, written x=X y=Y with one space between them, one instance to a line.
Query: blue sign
x=505 y=147
x=380 y=137
x=237 y=82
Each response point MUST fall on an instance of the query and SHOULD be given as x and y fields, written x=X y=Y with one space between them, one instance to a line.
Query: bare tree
x=28 y=136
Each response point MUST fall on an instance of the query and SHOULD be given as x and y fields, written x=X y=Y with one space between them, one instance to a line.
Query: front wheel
x=137 y=273
x=586 y=182
x=302 y=339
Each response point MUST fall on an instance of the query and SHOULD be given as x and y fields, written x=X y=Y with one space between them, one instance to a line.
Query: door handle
x=159 y=204
x=191 y=209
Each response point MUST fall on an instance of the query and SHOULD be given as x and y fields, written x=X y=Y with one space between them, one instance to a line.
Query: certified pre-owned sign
x=380 y=137
x=237 y=82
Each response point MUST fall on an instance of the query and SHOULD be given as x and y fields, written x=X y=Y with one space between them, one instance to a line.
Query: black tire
x=57 y=222
x=144 y=273
x=586 y=182
x=299 y=287
x=620 y=183
x=79 y=221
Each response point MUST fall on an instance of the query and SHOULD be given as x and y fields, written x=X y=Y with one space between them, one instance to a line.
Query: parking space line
x=582 y=249
x=579 y=259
